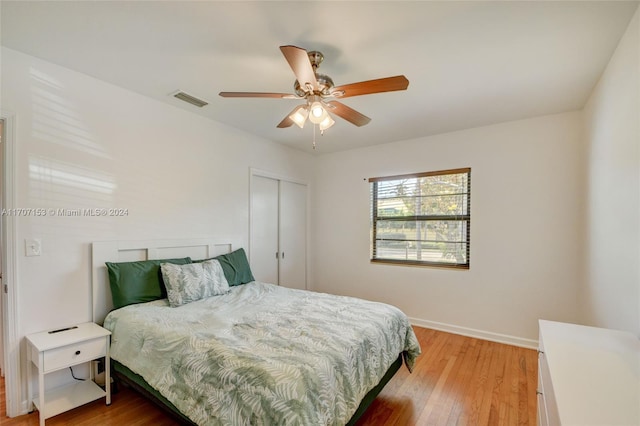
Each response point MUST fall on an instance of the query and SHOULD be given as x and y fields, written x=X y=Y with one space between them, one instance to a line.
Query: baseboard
x=478 y=334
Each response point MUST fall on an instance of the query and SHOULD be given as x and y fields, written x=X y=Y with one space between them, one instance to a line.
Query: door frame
x=2 y=308
x=11 y=344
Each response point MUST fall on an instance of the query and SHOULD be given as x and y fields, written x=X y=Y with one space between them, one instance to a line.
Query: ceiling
x=469 y=63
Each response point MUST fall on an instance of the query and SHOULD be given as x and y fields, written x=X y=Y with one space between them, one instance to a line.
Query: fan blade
x=298 y=60
x=257 y=95
x=349 y=114
x=388 y=84
x=286 y=122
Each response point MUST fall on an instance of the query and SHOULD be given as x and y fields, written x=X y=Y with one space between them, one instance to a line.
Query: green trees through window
x=422 y=218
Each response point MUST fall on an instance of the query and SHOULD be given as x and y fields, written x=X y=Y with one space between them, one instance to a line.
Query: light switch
x=32 y=247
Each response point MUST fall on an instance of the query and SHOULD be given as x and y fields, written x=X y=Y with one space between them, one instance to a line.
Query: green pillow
x=137 y=282
x=235 y=266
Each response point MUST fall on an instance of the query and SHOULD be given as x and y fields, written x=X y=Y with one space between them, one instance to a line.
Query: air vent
x=190 y=99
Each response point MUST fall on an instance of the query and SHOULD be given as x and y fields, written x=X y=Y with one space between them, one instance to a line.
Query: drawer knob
x=77 y=352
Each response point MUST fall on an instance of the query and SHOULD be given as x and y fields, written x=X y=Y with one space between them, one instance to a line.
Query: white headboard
x=128 y=251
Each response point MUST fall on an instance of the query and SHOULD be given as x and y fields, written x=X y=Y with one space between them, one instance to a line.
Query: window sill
x=421 y=264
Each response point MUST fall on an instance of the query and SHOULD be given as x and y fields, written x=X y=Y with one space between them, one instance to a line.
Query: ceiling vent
x=190 y=99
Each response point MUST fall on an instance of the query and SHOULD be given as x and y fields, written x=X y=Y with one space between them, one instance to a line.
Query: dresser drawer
x=543 y=417
x=545 y=386
x=76 y=353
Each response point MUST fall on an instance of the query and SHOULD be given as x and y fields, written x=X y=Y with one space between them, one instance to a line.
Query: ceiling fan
x=318 y=90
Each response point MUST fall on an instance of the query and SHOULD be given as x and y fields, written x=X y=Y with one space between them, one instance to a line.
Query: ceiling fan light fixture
x=326 y=123
x=299 y=116
x=317 y=113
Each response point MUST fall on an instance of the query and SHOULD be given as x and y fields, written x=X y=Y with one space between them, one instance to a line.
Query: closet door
x=293 y=235
x=263 y=247
x=278 y=234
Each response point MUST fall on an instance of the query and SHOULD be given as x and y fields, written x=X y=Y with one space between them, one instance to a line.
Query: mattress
x=263 y=354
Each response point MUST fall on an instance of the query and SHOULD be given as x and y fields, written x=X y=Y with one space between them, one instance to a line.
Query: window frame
x=374 y=217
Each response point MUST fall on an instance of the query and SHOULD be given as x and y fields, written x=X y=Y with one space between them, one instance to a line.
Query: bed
x=254 y=353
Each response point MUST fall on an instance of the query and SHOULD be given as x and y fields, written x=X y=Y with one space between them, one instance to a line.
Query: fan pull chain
x=314 y=135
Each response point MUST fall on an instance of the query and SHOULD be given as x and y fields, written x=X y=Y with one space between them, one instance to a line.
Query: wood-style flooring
x=457 y=381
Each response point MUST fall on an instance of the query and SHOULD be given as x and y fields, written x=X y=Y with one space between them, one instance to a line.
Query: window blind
x=422 y=218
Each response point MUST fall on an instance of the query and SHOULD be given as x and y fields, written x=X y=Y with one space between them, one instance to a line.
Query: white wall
x=526 y=227
x=83 y=143
x=611 y=295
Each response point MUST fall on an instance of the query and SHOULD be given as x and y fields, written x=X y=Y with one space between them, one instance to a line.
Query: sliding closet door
x=278 y=234
x=264 y=229
x=293 y=231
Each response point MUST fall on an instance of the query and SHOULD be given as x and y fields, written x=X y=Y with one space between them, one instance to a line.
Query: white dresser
x=587 y=376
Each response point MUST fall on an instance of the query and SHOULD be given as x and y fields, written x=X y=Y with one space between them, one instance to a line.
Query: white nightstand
x=52 y=351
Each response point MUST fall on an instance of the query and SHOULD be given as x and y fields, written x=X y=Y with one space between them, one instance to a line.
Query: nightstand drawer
x=74 y=354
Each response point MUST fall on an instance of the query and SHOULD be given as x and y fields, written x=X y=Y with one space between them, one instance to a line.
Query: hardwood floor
x=457 y=381
x=460 y=381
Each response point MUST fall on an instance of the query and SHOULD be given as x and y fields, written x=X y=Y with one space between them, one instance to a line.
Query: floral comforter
x=263 y=354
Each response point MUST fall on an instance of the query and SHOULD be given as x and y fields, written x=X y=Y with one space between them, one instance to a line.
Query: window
x=422 y=218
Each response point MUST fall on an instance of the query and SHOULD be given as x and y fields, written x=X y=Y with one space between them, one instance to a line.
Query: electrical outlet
x=32 y=247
